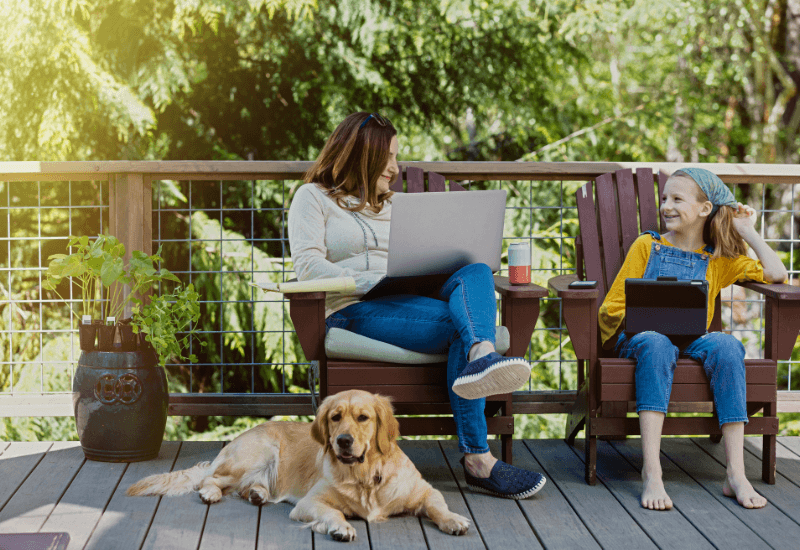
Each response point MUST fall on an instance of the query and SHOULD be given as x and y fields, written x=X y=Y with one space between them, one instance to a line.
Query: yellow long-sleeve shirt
x=721 y=273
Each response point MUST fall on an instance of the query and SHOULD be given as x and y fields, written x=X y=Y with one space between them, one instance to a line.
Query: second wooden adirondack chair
x=416 y=382
x=609 y=223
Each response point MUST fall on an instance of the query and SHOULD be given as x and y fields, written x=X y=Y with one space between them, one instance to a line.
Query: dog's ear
x=319 y=428
x=388 y=428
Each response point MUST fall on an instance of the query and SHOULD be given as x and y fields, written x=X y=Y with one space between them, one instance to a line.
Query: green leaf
x=112 y=271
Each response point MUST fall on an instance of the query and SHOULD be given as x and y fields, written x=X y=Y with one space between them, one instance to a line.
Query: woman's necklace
x=361 y=224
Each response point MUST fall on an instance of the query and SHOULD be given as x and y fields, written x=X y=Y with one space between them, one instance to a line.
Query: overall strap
x=653 y=234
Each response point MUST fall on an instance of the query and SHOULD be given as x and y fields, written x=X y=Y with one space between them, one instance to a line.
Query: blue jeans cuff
x=472 y=450
x=734 y=419
x=640 y=408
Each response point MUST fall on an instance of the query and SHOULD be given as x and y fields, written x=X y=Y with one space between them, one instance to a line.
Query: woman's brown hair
x=353 y=159
x=719 y=231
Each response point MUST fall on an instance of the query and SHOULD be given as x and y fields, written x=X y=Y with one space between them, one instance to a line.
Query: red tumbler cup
x=519 y=263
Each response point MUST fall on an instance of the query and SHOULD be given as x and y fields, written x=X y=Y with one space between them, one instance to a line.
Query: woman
x=339 y=226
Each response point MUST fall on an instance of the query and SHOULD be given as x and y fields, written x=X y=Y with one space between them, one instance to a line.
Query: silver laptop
x=433 y=235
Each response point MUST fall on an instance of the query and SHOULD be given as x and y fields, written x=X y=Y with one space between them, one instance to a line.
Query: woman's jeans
x=464 y=314
x=721 y=355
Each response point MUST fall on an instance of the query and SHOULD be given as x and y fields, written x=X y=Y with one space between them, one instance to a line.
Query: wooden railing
x=130 y=220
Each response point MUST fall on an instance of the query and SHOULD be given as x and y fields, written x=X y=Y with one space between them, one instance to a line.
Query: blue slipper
x=490 y=375
x=506 y=481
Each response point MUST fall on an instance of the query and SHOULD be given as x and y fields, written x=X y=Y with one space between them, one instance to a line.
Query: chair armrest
x=519 y=312
x=560 y=285
x=307 y=310
x=317 y=295
x=579 y=307
x=508 y=290
x=781 y=318
x=776 y=291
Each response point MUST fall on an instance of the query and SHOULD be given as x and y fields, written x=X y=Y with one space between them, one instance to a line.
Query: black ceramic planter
x=105 y=337
x=128 y=339
x=88 y=335
x=120 y=401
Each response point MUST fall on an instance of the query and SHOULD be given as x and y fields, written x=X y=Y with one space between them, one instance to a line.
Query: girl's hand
x=744 y=218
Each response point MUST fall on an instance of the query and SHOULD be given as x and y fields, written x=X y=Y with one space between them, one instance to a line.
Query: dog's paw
x=257 y=496
x=210 y=495
x=343 y=533
x=454 y=525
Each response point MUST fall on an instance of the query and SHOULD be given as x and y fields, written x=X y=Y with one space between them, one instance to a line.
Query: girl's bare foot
x=738 y=487
x=654 y=496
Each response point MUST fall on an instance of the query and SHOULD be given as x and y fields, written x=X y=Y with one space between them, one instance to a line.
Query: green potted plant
x=94 y=265
x=120 y=395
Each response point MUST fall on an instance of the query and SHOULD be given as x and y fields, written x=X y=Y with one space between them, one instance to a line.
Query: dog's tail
x=172 y=483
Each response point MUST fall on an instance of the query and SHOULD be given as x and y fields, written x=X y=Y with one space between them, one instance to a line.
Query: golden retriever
x=346 y=463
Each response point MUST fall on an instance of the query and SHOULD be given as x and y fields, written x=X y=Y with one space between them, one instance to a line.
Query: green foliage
x=551 y=80
x=163 y=318
x=99 y=268
x=93 y=264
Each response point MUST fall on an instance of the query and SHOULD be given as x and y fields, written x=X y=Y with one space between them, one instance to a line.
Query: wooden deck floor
x=50 y=487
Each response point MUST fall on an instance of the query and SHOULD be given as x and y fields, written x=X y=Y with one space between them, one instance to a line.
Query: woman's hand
x=744 y=219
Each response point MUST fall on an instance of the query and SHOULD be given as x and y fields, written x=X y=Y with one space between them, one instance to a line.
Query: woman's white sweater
x=327 y=241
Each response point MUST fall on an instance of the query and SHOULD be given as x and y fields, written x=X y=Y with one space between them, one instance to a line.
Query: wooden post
x=131 y=215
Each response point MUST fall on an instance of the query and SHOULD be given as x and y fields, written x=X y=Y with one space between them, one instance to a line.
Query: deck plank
x=57 y=490
x=81 y=507
x=38 y=495
x=179 y=521
x=788 y=463
x=427 y=456
x=599 y=510
x=791 y=443
x=670 y=530
x=17 y=462
x=550 y=513
x=277 y=531
x=722 y=528
x=784 y=495
x=500 y=521
x=769 y=522
x=126 y=520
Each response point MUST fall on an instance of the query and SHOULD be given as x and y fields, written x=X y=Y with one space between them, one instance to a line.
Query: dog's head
x=352 y=423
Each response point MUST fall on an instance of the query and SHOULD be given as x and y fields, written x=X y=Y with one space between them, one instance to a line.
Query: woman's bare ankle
x=479 y=464
x=480 y=349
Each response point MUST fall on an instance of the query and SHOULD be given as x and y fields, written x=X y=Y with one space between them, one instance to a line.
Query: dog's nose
x=344 y=441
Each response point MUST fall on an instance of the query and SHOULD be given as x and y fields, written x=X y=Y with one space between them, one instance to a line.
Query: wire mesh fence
x=221 y=234
x=39 y=350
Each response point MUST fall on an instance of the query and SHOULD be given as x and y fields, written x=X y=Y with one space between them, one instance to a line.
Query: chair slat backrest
x=648 y=212
x=609 y=224
x=627 y=209
x=590 y=239
x=415 y=182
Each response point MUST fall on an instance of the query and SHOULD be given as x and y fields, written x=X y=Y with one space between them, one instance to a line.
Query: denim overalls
x=721 y=355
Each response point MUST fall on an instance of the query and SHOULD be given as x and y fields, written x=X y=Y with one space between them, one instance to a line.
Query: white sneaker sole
x=503 y=377
x=529 y=493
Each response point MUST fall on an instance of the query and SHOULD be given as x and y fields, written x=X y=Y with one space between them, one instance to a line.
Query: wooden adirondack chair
x=607 y=392
x=417 y=383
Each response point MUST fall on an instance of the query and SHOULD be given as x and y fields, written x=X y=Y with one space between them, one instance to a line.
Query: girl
x=707 y=237
x=339 y=226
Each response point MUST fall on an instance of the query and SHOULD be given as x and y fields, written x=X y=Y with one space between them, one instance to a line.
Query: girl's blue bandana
x=717 y=192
